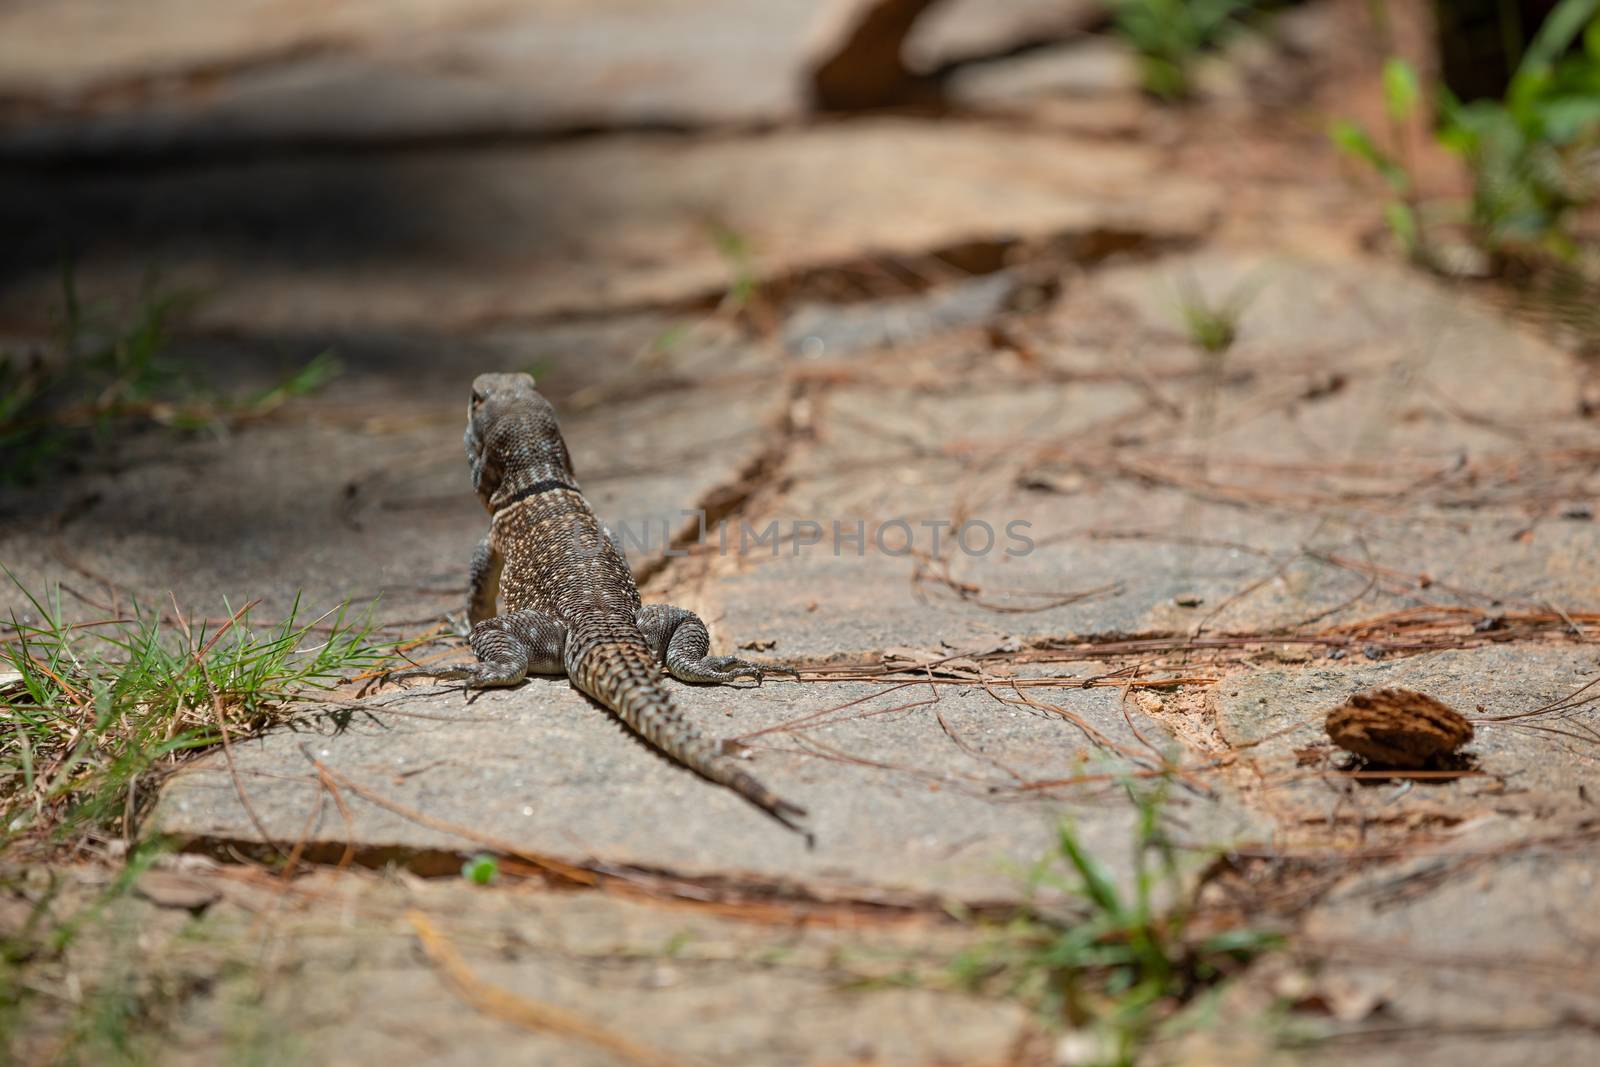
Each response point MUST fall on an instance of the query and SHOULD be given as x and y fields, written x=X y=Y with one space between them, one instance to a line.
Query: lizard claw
x=725 y=670
x=744 y=669
x=442 y=673
x=759 y=672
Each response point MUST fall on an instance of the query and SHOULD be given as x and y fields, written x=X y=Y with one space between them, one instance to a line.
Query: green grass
x=1119 y=969
x=1213 y=325
x=1402 y=94
x=92 y=712
x=736 y=253
x=1170 y=35
x=102 y=376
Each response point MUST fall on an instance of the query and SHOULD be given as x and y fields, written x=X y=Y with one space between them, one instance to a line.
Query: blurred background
x=309 y=176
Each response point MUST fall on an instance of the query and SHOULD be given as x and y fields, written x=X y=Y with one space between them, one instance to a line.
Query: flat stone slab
x=1370 y=443
x=763 y=987
x=954 y=30
x=441 y=241
x=815 y=330
x=1113 y=561
x=1093 y=69
x=82 y=77
x=1475 y=947
x=364 y=491
x=54 y=51
x=911 y=793
x=1537 y=764
x=464 y=69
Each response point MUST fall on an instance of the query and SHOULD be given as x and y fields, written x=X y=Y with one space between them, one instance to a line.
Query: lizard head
x=512 y=438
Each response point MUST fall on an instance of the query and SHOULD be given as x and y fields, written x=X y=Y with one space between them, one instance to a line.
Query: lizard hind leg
x=679 y=639
x=509 y=648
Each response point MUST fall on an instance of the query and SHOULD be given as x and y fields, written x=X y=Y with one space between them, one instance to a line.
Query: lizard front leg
x=509 y=648
x=483 y=581
x=679 y=639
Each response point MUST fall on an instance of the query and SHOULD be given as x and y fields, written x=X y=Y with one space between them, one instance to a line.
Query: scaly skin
x=571 y=605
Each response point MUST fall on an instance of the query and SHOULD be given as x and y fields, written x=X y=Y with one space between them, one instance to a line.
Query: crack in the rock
x=726 y=500
x=720 y=890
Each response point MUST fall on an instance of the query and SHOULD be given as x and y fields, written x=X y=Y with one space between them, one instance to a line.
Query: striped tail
x=607 y=658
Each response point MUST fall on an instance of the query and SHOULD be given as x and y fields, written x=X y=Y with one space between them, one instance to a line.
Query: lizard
x=571 y=605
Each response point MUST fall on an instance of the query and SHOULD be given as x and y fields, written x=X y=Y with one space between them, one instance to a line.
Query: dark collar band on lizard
x=535 y=489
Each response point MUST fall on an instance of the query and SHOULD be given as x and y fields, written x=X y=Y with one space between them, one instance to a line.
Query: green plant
x=1170 y=34
x=736 y=253
x=1401 y=96
x=480 y=869
x=97 y=378
x=1213 y=326
x=87 y=709
x=1118 y=970
x=1532 y=154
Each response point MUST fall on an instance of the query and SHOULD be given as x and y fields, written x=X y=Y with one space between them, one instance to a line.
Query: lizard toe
x=440 y=673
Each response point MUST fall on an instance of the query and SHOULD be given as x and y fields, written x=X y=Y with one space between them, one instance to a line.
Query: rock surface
x=282 y=981
x=334 y=242
x=1525 y=763
x=913 y=792
x=80 y=78
x=369 y=497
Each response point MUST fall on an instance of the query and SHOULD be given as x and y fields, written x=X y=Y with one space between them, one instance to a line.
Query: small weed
x=671 y=339
x=480 y=869
x=1119 y=971
x=96 y=379
x=1400 y=211
x=735 y=251
x=87 y=709
x=1213 y=326
x=1170 y=35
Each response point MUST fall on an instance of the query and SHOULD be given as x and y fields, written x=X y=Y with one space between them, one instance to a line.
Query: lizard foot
x=726 y=670
x=476 y=676
x=444 y=674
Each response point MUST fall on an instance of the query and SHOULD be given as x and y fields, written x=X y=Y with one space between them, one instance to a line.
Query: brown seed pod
x=1398 y=728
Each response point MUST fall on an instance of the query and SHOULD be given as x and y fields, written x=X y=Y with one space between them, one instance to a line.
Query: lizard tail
x=607 y=658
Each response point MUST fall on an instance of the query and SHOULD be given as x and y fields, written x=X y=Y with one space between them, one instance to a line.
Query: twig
x=522 y=1011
